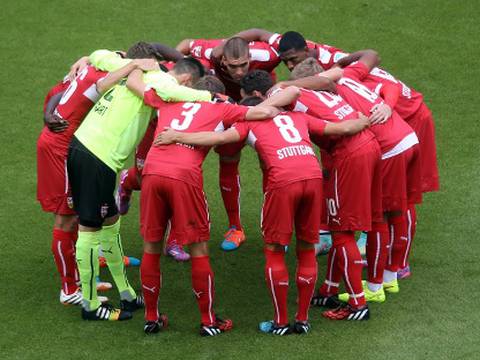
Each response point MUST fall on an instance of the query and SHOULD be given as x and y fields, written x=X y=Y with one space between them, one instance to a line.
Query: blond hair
x=307 y=67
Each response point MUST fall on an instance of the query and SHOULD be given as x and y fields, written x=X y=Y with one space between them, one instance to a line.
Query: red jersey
x=332 y=107
x=262 y=57
x=409 y=100
x=74 y=105
x=326 y=55
x=284 y=147
x=58 y=88
x=181 y=161
x=390 y=134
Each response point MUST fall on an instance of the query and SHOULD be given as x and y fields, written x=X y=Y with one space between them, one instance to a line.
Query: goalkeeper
x=98 y=151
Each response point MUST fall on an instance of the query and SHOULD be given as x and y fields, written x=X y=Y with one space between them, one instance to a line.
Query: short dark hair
x=258 y=80
x=235 y=48
x=143 y=50
x=251 y=101
x=210 y=83
x=189 y=65
x=291 y=40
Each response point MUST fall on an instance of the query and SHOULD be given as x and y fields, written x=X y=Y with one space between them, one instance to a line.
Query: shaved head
x=235 y=48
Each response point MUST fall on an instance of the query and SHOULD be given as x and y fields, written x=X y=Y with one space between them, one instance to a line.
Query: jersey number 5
x=190 y=110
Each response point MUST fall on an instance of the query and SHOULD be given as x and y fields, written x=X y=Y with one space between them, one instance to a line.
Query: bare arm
x=261 y=112
x=184 y=46
x=322 y=81
x=255 y=35
x=114 y=77
x=347 y=127
x=369 y=57
x=170 y=54
x=53 y=122
x=202 y=138
x=380 y=113
x=77 y=67
x=283 y=97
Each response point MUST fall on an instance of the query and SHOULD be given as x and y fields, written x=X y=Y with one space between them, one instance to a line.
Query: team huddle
x=171 y=106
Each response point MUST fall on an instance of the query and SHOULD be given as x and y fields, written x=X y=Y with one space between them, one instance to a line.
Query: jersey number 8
x=287 y=128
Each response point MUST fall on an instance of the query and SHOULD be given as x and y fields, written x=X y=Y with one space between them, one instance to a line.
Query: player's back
x=284 y=146
x=409 y=100
x=361 y=98
x=333 y=108
x=76 y=102
x=183 y=161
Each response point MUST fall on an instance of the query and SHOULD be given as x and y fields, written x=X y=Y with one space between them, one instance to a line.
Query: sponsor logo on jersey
x=70 y=202
x=104 y=210
x=296 y=150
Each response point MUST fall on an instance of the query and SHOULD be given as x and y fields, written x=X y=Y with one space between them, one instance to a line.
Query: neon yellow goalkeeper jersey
x=118 y=121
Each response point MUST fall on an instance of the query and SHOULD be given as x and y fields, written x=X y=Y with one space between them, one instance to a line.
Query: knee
x=152 y=247
x=67 y=223
x=199 y=249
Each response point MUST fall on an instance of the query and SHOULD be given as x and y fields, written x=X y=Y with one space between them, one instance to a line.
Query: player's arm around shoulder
x=255 y=34
x=114 y=77
x=135 y=83
x=321 y=81
x=201 y=138
x=283 y=96
x=184 y=46
x=347 y=127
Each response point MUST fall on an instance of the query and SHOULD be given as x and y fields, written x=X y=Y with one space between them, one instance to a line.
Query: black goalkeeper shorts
x=93 y=185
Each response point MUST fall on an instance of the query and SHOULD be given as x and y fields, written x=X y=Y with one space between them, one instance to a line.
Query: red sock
x=399 y=243
x=131 y=183
x=63 y=248
x=306 y=278
x=230 y=189
x=334 y=275
x=276 y=276
x=203 y=288
x=411 y=227
x=350 y=263
x=151 y=279
x=377 y=252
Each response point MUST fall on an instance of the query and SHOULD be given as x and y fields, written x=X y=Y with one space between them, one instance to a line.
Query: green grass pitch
x=430 y=45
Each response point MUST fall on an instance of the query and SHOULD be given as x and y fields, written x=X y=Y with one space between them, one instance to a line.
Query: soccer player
x=98 y=151
x=346 y=160
x=172 y=188
x=293 y=48
x=65 y=107
x=130 y=180
x=399 y=146
x=410 y=106
x=293 y=195
x=231 y=60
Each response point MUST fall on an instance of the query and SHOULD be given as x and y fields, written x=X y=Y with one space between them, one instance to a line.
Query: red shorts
x=185 y=205
x=353 y=190
x=230 y=150
x=297 y=204
x=144 y=147
x=53 y=189
x=422 y=123
x=401 y=182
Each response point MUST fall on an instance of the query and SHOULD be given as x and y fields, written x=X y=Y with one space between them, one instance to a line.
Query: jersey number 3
x=190 y=110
